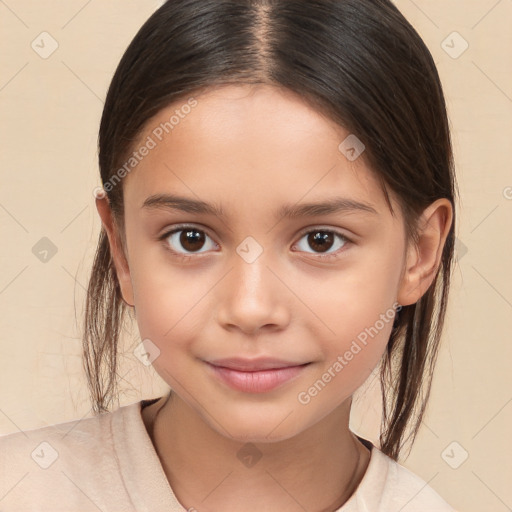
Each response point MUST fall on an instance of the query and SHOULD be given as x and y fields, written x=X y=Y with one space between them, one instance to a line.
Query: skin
x=251 y=150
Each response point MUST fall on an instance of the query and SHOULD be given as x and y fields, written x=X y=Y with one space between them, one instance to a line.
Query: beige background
x=50 y=110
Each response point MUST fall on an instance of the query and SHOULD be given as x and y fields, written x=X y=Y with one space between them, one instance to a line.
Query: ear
x=116 y=249
x=424 y=257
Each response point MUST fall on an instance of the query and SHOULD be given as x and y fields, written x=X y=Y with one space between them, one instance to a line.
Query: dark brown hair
x=361 y=64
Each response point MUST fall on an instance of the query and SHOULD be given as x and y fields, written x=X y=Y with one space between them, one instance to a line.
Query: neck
x=318 y=469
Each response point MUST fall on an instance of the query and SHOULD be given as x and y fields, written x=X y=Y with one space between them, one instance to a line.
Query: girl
x=278 y=214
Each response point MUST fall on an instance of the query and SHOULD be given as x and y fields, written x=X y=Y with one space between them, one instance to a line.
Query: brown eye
x=191 y=239
x=321 y=241
x=186 y=239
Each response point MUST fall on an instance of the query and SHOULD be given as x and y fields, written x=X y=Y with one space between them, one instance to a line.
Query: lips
x=255 y=375
x=254 y=365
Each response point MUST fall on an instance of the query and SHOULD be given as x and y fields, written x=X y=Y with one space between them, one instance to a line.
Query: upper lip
x=262 y=363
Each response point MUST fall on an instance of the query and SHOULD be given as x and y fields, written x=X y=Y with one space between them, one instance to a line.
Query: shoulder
x=62 y=462
x=387 y=486
x=403 y=490
x=45 y=445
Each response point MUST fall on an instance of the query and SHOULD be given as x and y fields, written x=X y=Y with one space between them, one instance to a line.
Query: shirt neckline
x=150 y=490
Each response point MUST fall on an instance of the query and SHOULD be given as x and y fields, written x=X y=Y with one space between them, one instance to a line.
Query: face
x=313 y=290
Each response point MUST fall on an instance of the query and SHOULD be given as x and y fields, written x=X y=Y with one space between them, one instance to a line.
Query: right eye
x=188 y=237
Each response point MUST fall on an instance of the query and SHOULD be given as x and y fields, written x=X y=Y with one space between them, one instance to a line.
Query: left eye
x=323 y=240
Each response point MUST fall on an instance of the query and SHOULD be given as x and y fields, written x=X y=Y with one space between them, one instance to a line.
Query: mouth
x=255 y=376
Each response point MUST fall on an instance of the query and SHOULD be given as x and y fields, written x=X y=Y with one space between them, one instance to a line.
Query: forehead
x=247 y=144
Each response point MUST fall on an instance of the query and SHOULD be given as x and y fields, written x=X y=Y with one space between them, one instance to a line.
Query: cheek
x=357 y=314
x=169 y=300
x=171 y=321
x=355 y=297
x=168 y=316
x=362 y=322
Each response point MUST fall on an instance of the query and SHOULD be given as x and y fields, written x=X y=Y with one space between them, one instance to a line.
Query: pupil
x=189 y=239
x=322 y=239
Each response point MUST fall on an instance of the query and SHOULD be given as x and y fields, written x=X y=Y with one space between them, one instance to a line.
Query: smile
x=256 y=381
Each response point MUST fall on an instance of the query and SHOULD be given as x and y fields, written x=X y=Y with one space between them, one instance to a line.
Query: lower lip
x=257 y=381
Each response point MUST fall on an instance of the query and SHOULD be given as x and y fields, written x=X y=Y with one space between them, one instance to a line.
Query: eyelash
x=187 y=257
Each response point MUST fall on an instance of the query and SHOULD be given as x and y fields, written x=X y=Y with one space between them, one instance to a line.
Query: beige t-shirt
x=108 y=463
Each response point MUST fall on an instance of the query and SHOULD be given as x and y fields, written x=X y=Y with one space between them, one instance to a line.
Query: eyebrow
x=330 y=206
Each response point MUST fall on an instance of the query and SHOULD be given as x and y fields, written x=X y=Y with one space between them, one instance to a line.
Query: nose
x=252 y=297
